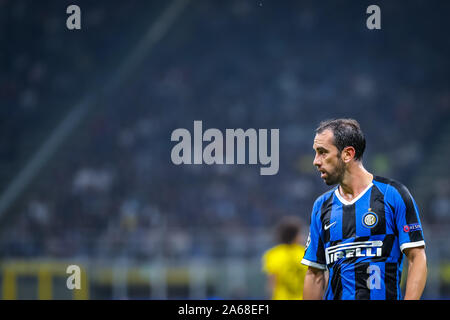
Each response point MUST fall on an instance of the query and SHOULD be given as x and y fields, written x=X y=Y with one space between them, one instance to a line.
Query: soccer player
x=281 y=263
x=360 y=229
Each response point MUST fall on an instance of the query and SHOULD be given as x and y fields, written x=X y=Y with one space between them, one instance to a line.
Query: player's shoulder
x=387 y=183
x=392 y=187
x=324 y=197
x=281 y=251
x=299 y=247
x=274 y=250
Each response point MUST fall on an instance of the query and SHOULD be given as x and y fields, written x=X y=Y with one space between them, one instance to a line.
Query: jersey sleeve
x=407 y=220
x=315 y=252
x=269 y=262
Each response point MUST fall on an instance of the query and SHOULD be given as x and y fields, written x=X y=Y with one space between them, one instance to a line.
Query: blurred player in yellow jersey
x=282 y=262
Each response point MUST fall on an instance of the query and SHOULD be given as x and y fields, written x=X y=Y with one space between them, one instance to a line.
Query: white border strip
x=313 y=264
x=412 y=245
x=355 y=199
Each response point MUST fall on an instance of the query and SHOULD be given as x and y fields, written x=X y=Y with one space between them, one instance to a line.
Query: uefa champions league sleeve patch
x=412 y=227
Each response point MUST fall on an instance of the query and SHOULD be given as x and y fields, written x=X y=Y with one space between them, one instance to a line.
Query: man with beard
x=361 y=228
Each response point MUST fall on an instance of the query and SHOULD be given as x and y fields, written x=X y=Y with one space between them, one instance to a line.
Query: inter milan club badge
x=370 y=219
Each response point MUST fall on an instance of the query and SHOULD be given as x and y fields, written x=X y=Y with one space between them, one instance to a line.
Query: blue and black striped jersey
x=361 y=242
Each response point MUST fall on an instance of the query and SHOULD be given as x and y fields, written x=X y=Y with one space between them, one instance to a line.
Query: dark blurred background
x=86 y=116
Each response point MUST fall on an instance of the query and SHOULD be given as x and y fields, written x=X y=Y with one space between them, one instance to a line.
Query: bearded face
x=334 y=174
x=328 y=160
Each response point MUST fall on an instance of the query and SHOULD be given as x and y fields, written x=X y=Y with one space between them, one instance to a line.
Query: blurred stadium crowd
x=111 y=189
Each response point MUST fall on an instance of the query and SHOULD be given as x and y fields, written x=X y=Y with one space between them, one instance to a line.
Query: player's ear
x=348 y=154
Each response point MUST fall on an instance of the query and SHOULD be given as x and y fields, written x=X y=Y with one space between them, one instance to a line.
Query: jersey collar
x=345 y=202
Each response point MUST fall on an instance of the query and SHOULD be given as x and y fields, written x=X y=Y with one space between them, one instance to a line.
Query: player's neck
x=356 y=180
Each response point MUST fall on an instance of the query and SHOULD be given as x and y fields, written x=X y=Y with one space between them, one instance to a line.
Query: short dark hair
x=288 y=229
x=347 y=133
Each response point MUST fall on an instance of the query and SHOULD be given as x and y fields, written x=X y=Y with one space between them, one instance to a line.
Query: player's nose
x=316 y=161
